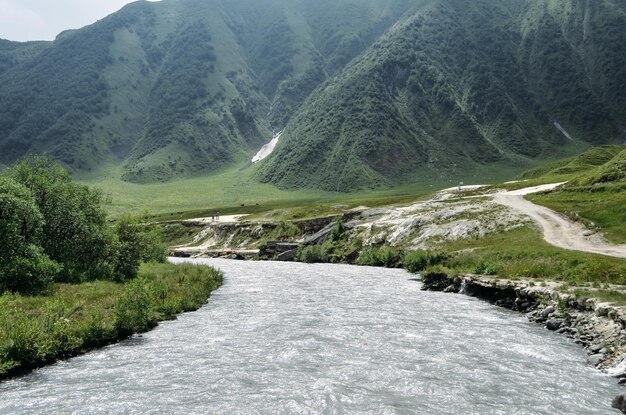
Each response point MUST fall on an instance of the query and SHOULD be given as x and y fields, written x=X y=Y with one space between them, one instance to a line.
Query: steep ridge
x=13 y=53
x=460 y=84
x=370 y=93
x=180 y=86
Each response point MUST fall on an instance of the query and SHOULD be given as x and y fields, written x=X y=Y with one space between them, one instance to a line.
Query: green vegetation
x=14 y=53
x=602 y=209
x=379 y=257
x=57 y=230
x=416 y=261
x=503 y=75
x=522 y=254
x=569 y=168
x=284 y=231
x=312 y=254
x=23 y=265
x=613 y=296
x=69 y=279
x=75 y=318
x=178 y=89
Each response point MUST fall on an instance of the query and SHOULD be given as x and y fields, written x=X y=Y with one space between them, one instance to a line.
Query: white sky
x=24 y=20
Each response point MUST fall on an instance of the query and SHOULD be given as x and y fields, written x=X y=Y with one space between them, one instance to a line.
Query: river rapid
x=325 y=339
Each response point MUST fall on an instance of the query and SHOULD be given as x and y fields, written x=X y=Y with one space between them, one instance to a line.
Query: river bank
x=75 y=318
x=317 y=338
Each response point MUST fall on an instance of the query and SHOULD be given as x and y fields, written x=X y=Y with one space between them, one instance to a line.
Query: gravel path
x=557 y=229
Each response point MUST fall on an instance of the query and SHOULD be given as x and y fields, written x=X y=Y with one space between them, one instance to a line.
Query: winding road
x=557 y=229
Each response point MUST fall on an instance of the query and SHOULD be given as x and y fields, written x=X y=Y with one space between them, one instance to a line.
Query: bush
x=386 y=257
x=485 y=267
x=285 y=230
x=416 y=261
x=312 y=254
x=41 y=205
x=28 y=274
x=132 y=311
x=338 y=231
x=138 y=242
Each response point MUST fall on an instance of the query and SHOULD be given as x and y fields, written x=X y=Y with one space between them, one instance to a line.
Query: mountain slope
x=13 y=53
x=180 y=86
x=457 y=85
x=370 y=92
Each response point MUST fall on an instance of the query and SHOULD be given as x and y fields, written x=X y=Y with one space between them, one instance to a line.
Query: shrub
x=41 y=204
x=338 y=231
x=386 y=257
x=28 y=274
x=132 y=311
x=487 y=268
x=75 y=232
x=23 y=266
x=138 y=242
x=285 y=230
x=312 y=254
x=416 y=261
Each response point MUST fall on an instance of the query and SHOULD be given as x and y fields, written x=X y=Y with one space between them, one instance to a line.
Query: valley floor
x=451 y=215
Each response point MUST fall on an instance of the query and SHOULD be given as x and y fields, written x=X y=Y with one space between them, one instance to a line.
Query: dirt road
x=557 y=229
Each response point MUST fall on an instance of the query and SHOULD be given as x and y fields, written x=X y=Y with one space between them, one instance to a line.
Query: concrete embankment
x=599 y=327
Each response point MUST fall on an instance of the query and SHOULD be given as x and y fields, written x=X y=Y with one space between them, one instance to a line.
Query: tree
x=75 y=232
x=138 y=242
x=23 y=266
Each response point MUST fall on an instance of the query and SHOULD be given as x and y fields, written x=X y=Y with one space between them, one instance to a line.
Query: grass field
x=235 y=190
x=523 y=254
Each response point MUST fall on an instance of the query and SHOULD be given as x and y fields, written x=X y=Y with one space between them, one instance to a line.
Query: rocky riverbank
x=599 y=327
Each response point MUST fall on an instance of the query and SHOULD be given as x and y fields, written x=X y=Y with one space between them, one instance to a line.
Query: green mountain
x=368 y=92
x=462 y=84
x=180 y=86
x=14 y=53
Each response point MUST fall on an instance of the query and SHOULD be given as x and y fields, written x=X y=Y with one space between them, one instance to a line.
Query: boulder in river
x=554 y=324
x=595 y=359
x=547 y=311
x=619 y=403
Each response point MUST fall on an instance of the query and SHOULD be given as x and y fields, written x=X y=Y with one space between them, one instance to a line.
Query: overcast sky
x=44 y=19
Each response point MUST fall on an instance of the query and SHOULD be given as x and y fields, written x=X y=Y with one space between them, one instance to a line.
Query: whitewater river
x=325 y=339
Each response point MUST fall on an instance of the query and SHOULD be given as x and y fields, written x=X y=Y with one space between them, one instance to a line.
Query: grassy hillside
x=571 y=167
x=371 y=94
x=174 y=88
x=457 y=85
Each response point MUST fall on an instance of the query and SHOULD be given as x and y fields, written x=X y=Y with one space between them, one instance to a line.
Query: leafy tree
x=75 y=232
x=138 y=242
x=23 y=266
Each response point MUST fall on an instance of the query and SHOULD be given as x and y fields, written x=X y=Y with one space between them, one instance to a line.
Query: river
x=325 y=339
